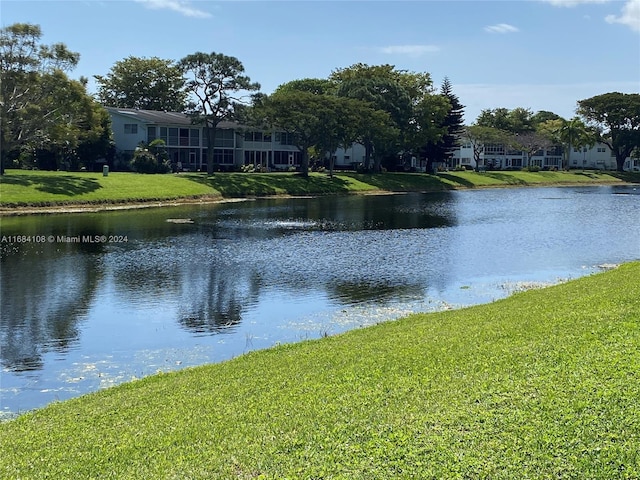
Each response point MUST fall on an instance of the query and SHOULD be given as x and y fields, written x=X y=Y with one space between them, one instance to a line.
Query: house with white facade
x=501 y=157
x=237 y=145
x=186 y=144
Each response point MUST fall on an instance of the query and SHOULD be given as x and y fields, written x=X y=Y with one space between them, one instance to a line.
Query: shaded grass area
x=261 y=184
x=39 y=188
x=543 y=384
x=27 y=188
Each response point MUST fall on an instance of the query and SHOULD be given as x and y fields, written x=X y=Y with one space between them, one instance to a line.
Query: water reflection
x=44 y=300
x=212 y=301
x=217 y=280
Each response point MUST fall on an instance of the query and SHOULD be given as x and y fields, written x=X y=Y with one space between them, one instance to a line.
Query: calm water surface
x=199 y=284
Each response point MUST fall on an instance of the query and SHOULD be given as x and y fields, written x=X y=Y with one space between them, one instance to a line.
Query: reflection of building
x=186 y=143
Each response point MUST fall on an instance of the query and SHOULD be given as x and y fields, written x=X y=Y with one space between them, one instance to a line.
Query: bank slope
x=544 y=384
x=22 y=188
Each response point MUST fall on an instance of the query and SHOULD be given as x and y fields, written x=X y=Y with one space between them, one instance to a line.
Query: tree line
x=49 y=121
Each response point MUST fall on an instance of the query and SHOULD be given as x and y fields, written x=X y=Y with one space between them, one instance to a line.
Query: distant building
x=237 y=145
x=185 y=142
x=500 y=157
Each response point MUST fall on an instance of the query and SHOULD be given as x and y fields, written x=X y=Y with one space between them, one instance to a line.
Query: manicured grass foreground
x=544 y=384
x=37 y=188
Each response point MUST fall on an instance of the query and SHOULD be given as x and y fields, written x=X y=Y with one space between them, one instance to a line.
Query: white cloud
x=411 y=50
x=630 y=15
x=572 y=3
x=501 y=28
x=180 y=6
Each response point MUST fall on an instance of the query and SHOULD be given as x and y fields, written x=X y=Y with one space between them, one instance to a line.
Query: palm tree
x=573 y=134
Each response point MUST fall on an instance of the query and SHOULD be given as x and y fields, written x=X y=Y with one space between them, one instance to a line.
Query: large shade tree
x=324 y=122
x=517 y=120
x=407 y=97
x=218 y=84
x=616 y=116
x=45 y=114
x=344 y=120
x=384 y=89
x=144 y=83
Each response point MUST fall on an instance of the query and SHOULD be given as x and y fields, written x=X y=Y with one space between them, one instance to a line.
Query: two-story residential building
x=185 y=142
x=500 y=157
x=237 y=145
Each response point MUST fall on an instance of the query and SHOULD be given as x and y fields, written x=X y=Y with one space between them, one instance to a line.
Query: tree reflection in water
x=45 y=297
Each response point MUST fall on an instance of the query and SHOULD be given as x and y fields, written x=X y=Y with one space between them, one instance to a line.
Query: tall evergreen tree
x=442 y=151
x=454 y=122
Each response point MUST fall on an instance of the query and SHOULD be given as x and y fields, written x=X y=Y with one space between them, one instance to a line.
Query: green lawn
x=40 y=188
x=542 y=385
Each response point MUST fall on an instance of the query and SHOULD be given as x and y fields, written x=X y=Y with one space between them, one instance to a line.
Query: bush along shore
x=33 y=191
x=543 y=384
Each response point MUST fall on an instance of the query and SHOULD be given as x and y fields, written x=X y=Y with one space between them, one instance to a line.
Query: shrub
x=532 y=168
x=145 y=162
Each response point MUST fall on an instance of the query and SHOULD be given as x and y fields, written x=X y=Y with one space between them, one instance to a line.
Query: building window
x=495 y=149
x=253 y=136
x=601 y=149
x=514 y=162
x=282 y=158
x=194 y=137
x=131 y=128
x=224 y=156
x=151 y=134
x=173 y=136
x=284 y=138
x=184 y=137
x=555 y=151
x=224 y=138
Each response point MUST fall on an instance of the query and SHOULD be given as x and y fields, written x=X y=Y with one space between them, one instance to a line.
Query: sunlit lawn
x=541 y=385
x=39 y=188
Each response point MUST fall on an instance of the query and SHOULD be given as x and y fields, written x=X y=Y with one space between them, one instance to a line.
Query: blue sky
x=538 y=54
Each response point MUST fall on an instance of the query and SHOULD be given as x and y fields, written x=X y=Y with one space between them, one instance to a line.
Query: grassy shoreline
x=24 y=191
x=543 y=384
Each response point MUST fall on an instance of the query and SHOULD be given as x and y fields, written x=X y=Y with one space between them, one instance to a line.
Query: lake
x=92 y=300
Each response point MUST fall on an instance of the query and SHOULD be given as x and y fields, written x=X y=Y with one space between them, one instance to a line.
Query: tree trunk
x=367 y=155
x=620 y=161
x=304 y=162
x=565 y=161
x=210 y=131
x=376 y=164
